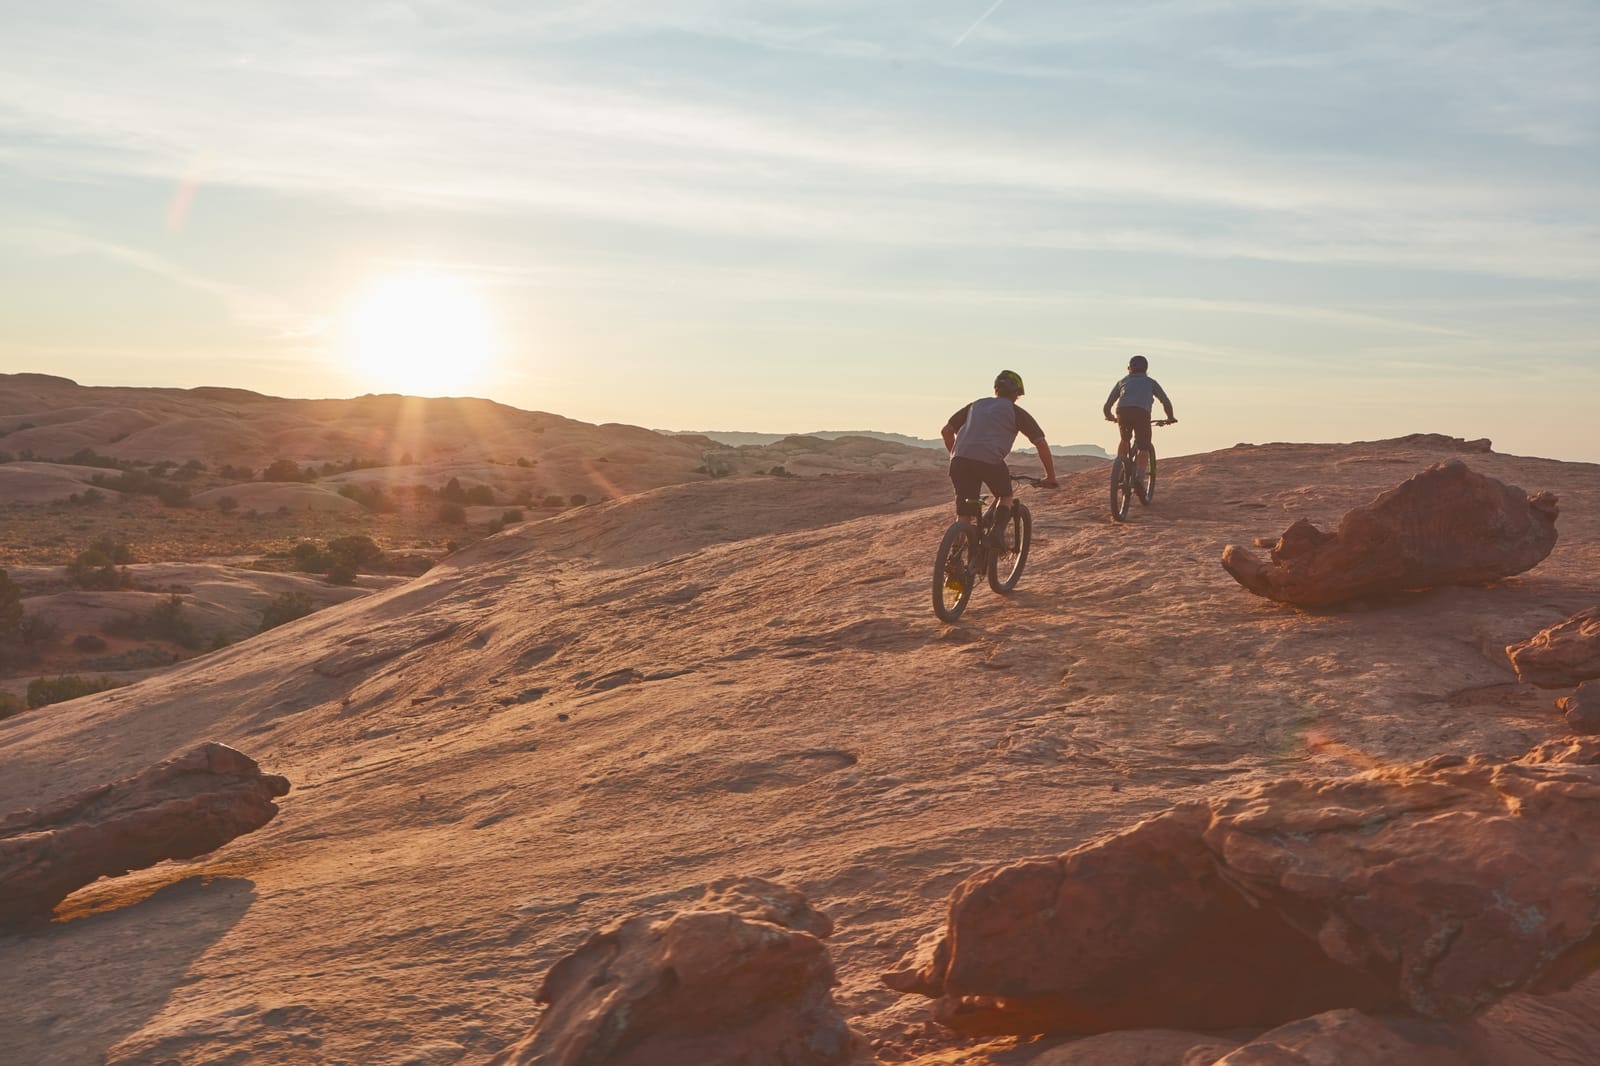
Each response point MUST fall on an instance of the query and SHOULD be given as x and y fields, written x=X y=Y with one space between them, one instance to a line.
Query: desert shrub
x=523 y=463
x=236 y=473
x=90 y=457
x=227 y=504
x=453 y=491
x=512 y=515
x=577 y=499
x=174 y=495
x=88 y=642
x=43 y=691
x=97 y=567
x=481 y=495
x=11 y=704
x=11 y=613
x=287 y=470
x=285 y=608
x=342 y=572
x=37 y=630
x=360 y=550
x=453 y=513
x=131 y=659
x=369 y=496
x=166 y=621
x=712 y=466
x=309 y=557
x=495 y=525
x=553 y=501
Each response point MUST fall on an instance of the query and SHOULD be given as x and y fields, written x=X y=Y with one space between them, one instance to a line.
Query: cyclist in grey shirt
x=1134 y=396
x=979 y=437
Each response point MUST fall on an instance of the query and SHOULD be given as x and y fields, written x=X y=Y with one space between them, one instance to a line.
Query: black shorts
x=969 y=476
x=1134 y=422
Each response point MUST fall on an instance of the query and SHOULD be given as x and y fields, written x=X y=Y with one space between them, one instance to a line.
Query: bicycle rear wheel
x=1121 y=487
x=1005 y=569
x=953 y=573
x=1145 y=484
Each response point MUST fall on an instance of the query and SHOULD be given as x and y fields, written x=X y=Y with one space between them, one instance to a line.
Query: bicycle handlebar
x=1017 y=475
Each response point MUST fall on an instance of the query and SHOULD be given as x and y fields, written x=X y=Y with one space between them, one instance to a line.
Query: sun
x=420 y=334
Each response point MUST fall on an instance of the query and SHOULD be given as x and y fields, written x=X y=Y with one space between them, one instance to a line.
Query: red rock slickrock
x=1446 y=526
x=1435 y=889
x=1582 y=708
x=740 y=977
x=1561 y=655
x=178 y=809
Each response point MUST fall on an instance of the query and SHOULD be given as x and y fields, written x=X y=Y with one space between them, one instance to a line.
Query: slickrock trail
x=610 y=709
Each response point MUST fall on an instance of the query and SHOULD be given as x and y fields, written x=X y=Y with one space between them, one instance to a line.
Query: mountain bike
x=1128 y=480
x=964 y=553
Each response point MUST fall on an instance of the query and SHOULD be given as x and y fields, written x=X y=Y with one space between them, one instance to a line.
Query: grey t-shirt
x=986 y=429
x=1138 y=390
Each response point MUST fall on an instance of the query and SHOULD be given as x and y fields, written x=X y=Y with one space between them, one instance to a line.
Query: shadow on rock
x=76 y=990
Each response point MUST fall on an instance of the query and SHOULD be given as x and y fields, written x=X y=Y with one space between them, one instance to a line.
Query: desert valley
x=615 y=673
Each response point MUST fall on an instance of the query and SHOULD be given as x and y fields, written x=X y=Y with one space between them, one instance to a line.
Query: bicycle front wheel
x=1121 y=487
x=952 y=573
x=1005 y=568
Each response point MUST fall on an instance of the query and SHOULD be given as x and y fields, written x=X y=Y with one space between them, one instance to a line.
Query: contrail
x=981 y=20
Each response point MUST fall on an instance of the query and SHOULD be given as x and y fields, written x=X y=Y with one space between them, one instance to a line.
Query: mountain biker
x=978 y=438
x=1134 y=395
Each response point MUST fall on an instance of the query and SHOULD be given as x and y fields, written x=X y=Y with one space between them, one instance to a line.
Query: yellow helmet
x=1009 y=381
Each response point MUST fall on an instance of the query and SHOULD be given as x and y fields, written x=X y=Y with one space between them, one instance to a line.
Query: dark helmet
x=1138 y=364
x=1009 y=381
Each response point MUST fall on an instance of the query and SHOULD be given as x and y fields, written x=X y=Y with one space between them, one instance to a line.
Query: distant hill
x=738 y=440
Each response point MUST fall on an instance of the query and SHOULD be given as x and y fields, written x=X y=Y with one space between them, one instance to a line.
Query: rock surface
x=1562 y=655
x=741 y=977
x=181 y=808
x=1445 y=526
x=1582 y=708
x=1435 y=888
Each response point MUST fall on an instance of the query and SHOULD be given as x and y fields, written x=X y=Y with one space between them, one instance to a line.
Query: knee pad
x=969 y=508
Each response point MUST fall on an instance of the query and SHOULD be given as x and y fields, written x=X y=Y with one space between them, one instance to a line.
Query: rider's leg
x=966 y=477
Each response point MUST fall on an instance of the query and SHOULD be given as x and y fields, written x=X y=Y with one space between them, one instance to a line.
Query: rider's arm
x=1048 y=460
x=955 y=422
x=1161 y=395
x=1116 y=390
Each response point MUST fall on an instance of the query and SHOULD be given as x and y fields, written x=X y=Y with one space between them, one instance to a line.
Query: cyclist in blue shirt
x=1134 y=396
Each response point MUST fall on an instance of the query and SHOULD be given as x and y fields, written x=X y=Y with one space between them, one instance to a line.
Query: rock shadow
x=77 y=988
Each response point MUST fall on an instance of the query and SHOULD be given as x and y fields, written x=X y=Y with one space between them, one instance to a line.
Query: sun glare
x=420 y=334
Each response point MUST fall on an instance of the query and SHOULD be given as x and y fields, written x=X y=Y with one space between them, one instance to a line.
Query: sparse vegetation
x=284 y=608
x=11 y=704
x=103 y=565
x=453 y=513
x=43 y=691
x=166 y=621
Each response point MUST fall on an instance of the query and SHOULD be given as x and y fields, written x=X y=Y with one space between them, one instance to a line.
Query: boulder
x=1432 y=889
x=1562 y=655
x=1445 y=526
x=740 y=977
x=1582 y=708
x=184 y=807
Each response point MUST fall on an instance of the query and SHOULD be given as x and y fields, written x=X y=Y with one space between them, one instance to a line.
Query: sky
x=1326 y=220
